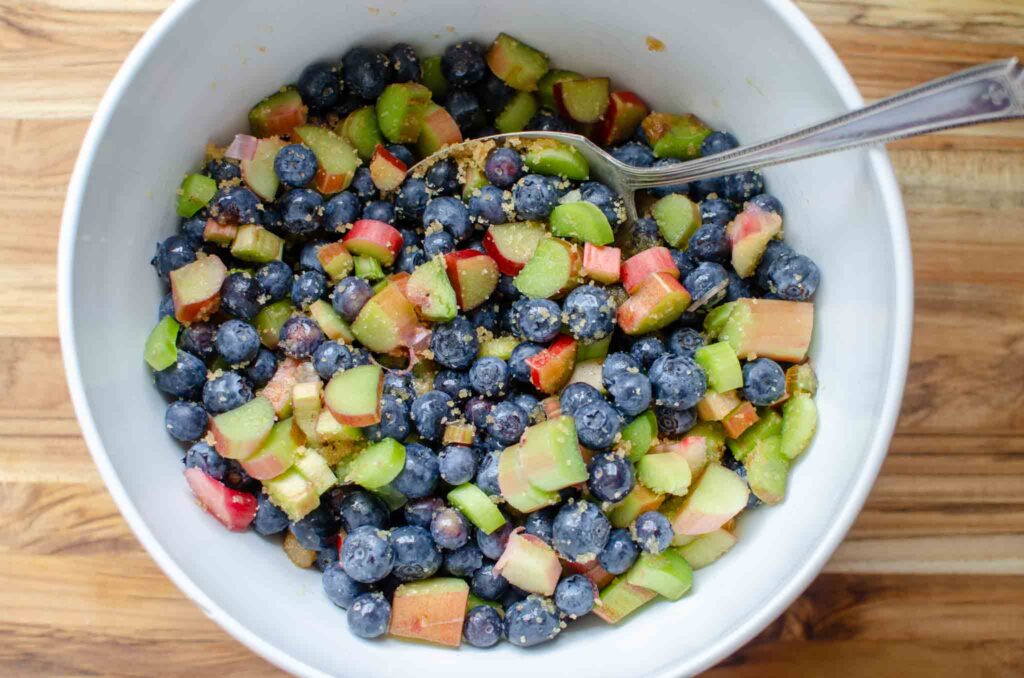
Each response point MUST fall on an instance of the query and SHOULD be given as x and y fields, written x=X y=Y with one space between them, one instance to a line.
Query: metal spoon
x=993 y=91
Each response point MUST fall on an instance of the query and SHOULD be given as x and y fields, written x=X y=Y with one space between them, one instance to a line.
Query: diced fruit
x=432 y=77
x=602 y=264
x=555 y=158
x=258 y=173
x=387 y=171
x=387 y=321
x=639 y=434
x=551 y=271
x=768 y=425
x=161 y=345
x=625 y=111
x=592 y=570
x=716 y=318
x=256 y=244
x=368 y=268
x=330 y=430
x=400 y=111
x=475 y=180
x=718 y=495
x=665 y=473
x=218 y=233
x=238 y=433
x=439 y=130
x=551 y=368
x=584 y=100
x=473 y=275
x=512 y=245
x=749 y=234
x=300 y=557
x=620 y=599
x=595 y=350
x=551 y=406
x=433 y=610
x=458 y=434
x=678 y=218
x=588 y=372
x=739 y=420
x=658 y=302
x=641 y=266
x=360 y=128
x=549 y=455
x=530 y=564
x=799 y=421
x=666 y=573
x=693 y=449
x=278 y=114
x=332 y=324
x=270 y=319
x=716 y=406
x=234 y=509
x=721 y=366
x=336 y=260
x=707 y=548
x=353 y=396
x=517 y=113
x=195 y=288
x=769 y=328
x=375 y=239
x=675 y=136
x=583 y=221
x=767 y=469
x=639 y=500
x=306 y=406
x=516 y=489
x=801 y=379
x=278 y=390
x=498 y=347
x=377 y=465
x=515 y=62
x=336 y=158
x=429 y=289
x=292 y=493
x=196 y=190
x=391 y=497
x=315 y=469
x=477 y=507
x=546 y=85
x=277 y=452
x=714 y=436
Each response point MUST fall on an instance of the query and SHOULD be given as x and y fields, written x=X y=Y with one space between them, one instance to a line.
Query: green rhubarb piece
x=378 y=464
x=640 y=433
x=238 y=433
x=546 y=85
x=477 y=601
x=767 y=470
x=716 y=318
x=516 y=489
x=801 y=379
x=678 y=218
x=554 y=158
x=353 y=395
x=705 y=549
x=550 y=457
x=432 y=77
x=549 y=271
x=596 y=350
x=476 y=506
x=256 y=244
x=517 y=113
x=333 y=152
x=315 y=469
x=515 y=62
x=196 y=190
x=665 y=573
x=721 y=365
x=279 y=113
x=306 y=406
x=620 y=599
x=161 y=349
x=498 y=347
x=529 y=563
x=391 y=497
x=430 y=290
x=714 y=433
x=475 y=180
x=583 y=221
x=768 y=425
x=678 y=136
x=330 y=430
x=799 y=421
x=665 y=473
x=368 y=268
x=258 y=172
x=292 y=493
x=588 y=372
x=271 y=319
x=400 y=111
x=332 y=324
x=361 y=129
x=639 y=500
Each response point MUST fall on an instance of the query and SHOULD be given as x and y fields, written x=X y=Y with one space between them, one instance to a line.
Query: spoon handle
x=993 y=91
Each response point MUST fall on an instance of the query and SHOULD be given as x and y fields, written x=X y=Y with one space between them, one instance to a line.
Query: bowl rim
x=880 y=167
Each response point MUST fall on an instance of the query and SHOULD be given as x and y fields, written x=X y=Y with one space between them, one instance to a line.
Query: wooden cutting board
x=930 y=581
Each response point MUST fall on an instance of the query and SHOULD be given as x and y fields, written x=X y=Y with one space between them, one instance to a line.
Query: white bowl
x=756 y=68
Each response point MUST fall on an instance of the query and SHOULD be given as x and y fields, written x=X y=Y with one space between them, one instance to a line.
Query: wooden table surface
x=929 y=582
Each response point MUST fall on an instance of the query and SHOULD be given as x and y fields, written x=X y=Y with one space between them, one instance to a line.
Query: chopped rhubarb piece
x=375 y=239
x=718 y=495
x=584 y=100
x=439 y=130
x=387 y=171
x=258 y=171
x=238 y=433
x=353 y=396
x=530 y=564
x=769 y=328
x=432 y=610
x=387 y=321
x=739 y=420
x=458 y=434
x=195 y=288
x=279 y=389
x=278 y=114
x=602 y=264
x=473 y=275
x=218 y=233
x=749 y=234
x=620 y=599
x=512 y=245
x=715 y=406
x=675 y=136
x=639 y=267
x=658 y=302
x=234 y=509
x=515 y=62
x=551 y=368
x=335 y=259
x=625 y=111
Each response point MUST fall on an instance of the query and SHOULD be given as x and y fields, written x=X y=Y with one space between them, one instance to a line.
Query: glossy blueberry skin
x=487 y=480
x=449 y=528
x=235 y=205
x=454 y=344
x=483 y=626
x=367 y=554
x=646 y=350
x=457 y=464
x=506 y=288
x=604 y=198
x=534 y=196
x=301 y=210
x=617 y=364
x=420 y=474
x=442 y=178
x=485 y=206
x=547 y=121
x=531 y=622
x=185 y=420
x=295 y=165
x=300 y=337
x=575 y=595
x=223 y=170
x=631 y=394
x=203 y=457
x=487 y=584
x=226 y=392
x=451 y=213
x=540 y=523
x=768 y=203
x=403 y=64
x=684 y=261
x=365 y=72
x=775 y=250
x=184 y=378
x=590 y=313
x=438 y=242
x=702 y=188
x=269 y=518
x=476 y=410
x=462 y=64
x=597 y=424
x=171 y=254
x=198 y=339
x=240 y=295
x=430 y=412
x=349 y=297
x=576 y=395
x=340 y=210
x=645 y=234
x=330 y=357
x=419 y=512
x=675 y=422
x=678 y=382
x=634 y=153
x=652 y=531
x=359 y=508
x=718 y=142
x=743 y=186
x=494 y=94
x=416 y=557
x=619 y=553
x=764 y=382
x=539 y=320
x=341 y=589
x=507 y=422
x=362 y=185
x=453 y=382
x=309 y=259
x=529 y=404
x=319 y=87
x=610 y=477
x=464 y=561
x=685 y=341
x=465 y=109
x=308 y=286
x=400 y=385
x=380 y=210
x=317 y=531
x=580 y=529
x=493 y=545
x=274 y=279
x=394 y=420
x=710 y=243
x=412 y=199
x=793 y=277
x=707 y=283
x=369 y=615
x=193 y=228
x=503 y=167
x=739 y=288
x=401 y=152
x=717 y=211
x=662 y=191
x=489 y=377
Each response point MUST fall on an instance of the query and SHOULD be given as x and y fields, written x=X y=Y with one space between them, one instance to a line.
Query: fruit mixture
x=476 y=400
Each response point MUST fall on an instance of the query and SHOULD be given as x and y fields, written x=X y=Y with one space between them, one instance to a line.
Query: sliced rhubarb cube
x=256 y=244
x=196 y=190
x=530 y=564
x=473 y=276
x=234 y=509
x=353 y=396
x=639 y=500
x=430 y=290
x=386 y=171
x=218 y=233
x=625 y=111
x=581 y=221
x=517 y=113
x=330 y=322
x=516 y=63
x=675 y=136
x=658 y=302
x=400 y=111
x=768 y=328
x=238 y=433
x=551 y=368
x=337 y=160
x=584 y=100
x=387 y=321
x=707 y=548
x=739 y=420
x=516 y=489
x=549 y=455
x=360 y=128
x=439 y=130
x=620 y=599
x=551 y=271
x=557 y=159
x=512 y=245
x=716 y=406
x=161 y=349
x=677 y=217
x=376 y=239
x=432 y=610
x=336 y=260
x=602 y=264
x=693 y=449
x=546 y=85
x=277 y=453
x=639 y=267
x=716 y=498
x=258 y=172
x=270 y=319
x=195 y=288
x=278 y=390
x=278 y=114
x=749 y=234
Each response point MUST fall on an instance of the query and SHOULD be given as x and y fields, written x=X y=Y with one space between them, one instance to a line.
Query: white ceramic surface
x=756 y=68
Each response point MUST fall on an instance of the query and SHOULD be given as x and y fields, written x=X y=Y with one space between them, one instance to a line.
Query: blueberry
x=539 y=320
x=793 y=277
x=610 y=477
x=684 y=261
x=702 y=188
x=369 y=615
x=365 y=72
x=547 y=121
x=331 y=357
x=487 y=583
x=634 y=153
x=415 y=554
x=184 y=378
x=419 y=475
x=412 y=199
x=619 y=553
x=379 y=210
x=487 y=479
x=739 y=288
x=198 y=339
x=493 y=545
x=295 y=165
x=449 y=528
x=590 y=313
x=710 y=243
x=454 y=344
x=717 y=211
x=685 y=341
x=513 y=595
x=476 y=410
x=662 y=191
x=494 y=95
x=438 y=242
x=340 y=210
x=506 y=288
x=483 y=626
x=507 y=423
x=617 y=364
x=403 y=64
x=240 y=295
x=576 y=395
x=464 y=561
x=274 y=279
x=776 y=249
x=308 y=287
x=235 y=205
x=631 y=393
x=317 y=531
x=309 y=257
x=457 y=464
x=419 y=512
x=531 y=622
x=706 y=284
x=226 y=392
x=269 y=518
x=394 y=420
x=489 y=377
x=400 y=385
x=451 y=213
x=301 y=210
x=462 y=64
x=645 y=234
x=646 y=350
x=361 y=509
x=237 y=479
x=678 y=382
x=185 y=420
x=604 y=198
x=270 y=218
x=442 y=178
x=575 y=595
x=341 y=589
x=486 y=206
x=300 y=337
x=527 y=403
x=349 y=297
x=768 y=203
x=652 y=531
x=193 y=228
x=503 y=167
x=534 y=196
x=319 y=87
x=367 y=554
x=430 y=412
x=171 y=254
x=453 y=382
x=675 y=422
x=580 y=531
x=743 y=186
x=764 y=382
x=718 y=142
x=223 y=170
x=465 y=109
x=203 y=457
x=540 y=523
x=597 y=424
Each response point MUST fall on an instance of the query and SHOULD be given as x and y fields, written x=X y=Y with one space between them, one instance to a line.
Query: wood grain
x=930 y=580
